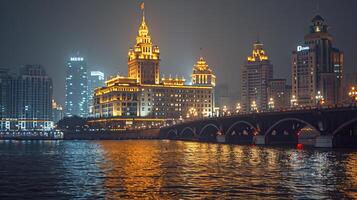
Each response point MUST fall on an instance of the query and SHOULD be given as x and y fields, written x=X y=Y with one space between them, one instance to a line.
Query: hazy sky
x=47 y=32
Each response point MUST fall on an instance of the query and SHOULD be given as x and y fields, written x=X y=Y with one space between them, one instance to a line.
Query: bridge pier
x=324 y=141
x=259 y=140
x=221 y=138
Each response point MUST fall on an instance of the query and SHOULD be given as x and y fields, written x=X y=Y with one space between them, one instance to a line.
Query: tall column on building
x=256 y=74
x=76 y=87
x=144 y=57
x=317 y=67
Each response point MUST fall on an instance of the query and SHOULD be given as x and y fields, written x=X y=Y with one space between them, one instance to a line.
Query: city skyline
x=203 y=30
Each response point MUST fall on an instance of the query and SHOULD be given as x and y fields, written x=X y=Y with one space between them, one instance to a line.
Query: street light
x=238 y=108
x=254 y=107
x=271 y=104
x=319 y=98
x=353 y=94
x=293 y=101
x=225 y=109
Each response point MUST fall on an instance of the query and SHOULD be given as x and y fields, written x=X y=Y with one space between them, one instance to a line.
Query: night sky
x=47 y=32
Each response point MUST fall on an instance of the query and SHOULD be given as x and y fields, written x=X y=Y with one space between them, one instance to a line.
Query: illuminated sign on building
x=76 y=59
x=301 y=48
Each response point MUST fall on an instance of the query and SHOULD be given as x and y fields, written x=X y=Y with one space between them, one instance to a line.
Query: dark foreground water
x=172 y=170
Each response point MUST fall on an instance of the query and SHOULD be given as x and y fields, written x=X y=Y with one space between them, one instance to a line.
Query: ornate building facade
x=144 y=96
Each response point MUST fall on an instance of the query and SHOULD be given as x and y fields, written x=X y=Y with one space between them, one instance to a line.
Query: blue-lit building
x=76 y=87
x=95 y=80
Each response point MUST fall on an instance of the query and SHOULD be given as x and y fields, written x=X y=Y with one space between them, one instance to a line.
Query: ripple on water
x=171 y=170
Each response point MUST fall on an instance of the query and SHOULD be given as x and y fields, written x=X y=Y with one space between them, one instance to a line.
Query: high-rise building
x=256 y=74
x=95 y=80
x=144 y=97
x=33 y=98
x=5 y=93
x=317 y=67
x=26 y=99
x=76 y=87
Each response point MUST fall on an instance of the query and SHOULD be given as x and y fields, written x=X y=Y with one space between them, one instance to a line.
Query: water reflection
x=172 y=170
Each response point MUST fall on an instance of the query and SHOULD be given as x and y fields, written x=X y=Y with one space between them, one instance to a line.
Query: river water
x=172 y=170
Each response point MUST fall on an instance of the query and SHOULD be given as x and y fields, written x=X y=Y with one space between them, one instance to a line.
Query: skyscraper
x=256 y=73
x=32 y=92
x=76 y=87
x=5 y=93
x=317 y=67
x=95 y=80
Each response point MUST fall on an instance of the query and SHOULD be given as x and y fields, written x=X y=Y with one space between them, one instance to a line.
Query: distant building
x=5 y=93
x=57 y=111
x=30 y=100
x=317 y=67
x=279 y=92
x=76 y=87
x=95 y=80
x=143 y=97
x=256 y=74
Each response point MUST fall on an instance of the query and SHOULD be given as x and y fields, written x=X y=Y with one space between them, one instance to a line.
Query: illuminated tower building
x=256 y=73
x=202 y=74
x=317 y=67
x=144 y=57
x=144 y=99
x=76 y=87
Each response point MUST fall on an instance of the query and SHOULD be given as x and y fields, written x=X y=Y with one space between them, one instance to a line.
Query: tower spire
x=142 y=8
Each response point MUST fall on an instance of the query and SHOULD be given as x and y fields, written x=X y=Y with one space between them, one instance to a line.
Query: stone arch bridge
x=316 y=127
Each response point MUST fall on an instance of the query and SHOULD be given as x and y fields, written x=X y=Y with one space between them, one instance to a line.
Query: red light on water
x=299 y=146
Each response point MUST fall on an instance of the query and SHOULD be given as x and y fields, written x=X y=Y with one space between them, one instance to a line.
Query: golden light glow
x=254 y=107
x=293 y=101
x=238 y=108
x=258 y=53
x=353 y=93
x=202 y=74
x=271 y=104
x=144 y=48
x=192 y=112
x=319 y=98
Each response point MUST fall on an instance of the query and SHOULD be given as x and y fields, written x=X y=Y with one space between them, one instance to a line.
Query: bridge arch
x=187 y=128
x=206 y=126
x=346 y=138
x=289 y=119
x=244 y=135
x=240 y=122
x=172 y=132
x=291 y=135
x=343 y=126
